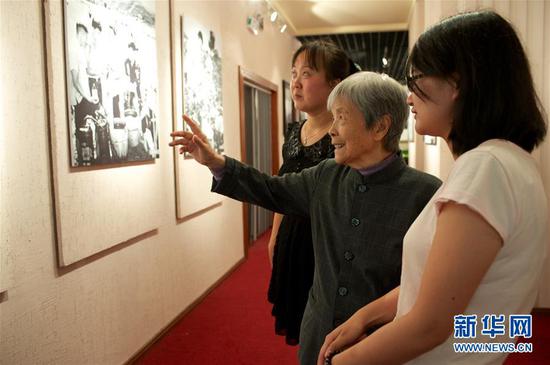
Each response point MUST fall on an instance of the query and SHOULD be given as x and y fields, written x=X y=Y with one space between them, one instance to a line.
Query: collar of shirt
x=380 y=165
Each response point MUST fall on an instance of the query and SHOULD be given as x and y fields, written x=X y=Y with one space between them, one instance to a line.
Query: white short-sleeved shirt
x=500 y=181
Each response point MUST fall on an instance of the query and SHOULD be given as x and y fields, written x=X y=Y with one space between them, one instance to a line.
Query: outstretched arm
x=289 y=194
x=196 y=143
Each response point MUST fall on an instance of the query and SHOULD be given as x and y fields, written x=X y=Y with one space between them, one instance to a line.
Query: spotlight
x=385 y=60
x=283 y=28
x=273 y=15
x=255 y=23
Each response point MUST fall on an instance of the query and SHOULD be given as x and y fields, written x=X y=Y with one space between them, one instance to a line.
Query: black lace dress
x=293 y=261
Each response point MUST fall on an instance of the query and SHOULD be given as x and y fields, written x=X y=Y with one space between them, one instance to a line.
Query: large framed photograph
x=99 y=207
x=202 y=79
x=111 y=81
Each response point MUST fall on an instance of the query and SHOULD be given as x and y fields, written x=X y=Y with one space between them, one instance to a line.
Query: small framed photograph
x=430 y=140
x=410 y=127
x=288 y=106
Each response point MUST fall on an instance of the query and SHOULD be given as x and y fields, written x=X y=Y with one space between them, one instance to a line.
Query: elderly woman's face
x=353 y=142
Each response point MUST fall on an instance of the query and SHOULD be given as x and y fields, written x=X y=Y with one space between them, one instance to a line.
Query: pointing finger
x=180 y=141
x=184 y=134
x=194 y=126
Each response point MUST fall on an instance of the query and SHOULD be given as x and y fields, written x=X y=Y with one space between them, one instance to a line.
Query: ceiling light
x=255 y=23
x=273 y=15
x=283 y=28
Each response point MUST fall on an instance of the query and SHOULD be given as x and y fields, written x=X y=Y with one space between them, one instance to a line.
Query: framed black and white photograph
x=101 y=64
x=288 y=106
x=202 y=80
x=197 y=91
x=111 y=81
x=430 y=140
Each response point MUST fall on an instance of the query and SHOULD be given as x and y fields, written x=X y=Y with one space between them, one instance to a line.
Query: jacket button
x=362 y=188
x=355 y=222
x=348 y=256
x=343 y=291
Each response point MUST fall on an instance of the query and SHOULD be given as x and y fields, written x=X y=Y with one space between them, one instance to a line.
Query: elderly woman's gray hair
x=376 y=95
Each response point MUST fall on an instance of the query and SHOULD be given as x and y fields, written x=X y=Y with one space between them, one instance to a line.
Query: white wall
x=532 y=21
x=106 y=310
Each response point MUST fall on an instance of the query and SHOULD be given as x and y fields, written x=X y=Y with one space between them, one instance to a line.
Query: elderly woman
x=317 y=67
x=477 y=250
x=360 y=203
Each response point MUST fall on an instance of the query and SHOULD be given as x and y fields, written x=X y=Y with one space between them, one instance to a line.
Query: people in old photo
x=112 y=81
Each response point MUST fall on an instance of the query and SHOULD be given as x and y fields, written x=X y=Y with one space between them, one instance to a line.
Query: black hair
x=81 y=26
x=482 y=53
x=96 y=25
x=327 y=56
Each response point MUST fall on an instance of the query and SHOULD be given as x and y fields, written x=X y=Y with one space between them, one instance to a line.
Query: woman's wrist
x=217 y=163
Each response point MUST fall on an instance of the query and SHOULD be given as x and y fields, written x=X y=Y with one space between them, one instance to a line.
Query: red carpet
x=234 y=326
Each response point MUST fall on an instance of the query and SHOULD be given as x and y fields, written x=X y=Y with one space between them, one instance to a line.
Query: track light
x=255 y=22
x=385 y=59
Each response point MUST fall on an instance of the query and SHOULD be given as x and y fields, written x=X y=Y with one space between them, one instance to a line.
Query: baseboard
x=189 y=308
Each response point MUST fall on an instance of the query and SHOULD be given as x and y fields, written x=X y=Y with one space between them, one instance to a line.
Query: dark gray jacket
x=358 y=224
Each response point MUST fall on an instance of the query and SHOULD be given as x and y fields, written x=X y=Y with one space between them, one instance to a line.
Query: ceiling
x=307 y=17
x=368 y=30
x=368 y=50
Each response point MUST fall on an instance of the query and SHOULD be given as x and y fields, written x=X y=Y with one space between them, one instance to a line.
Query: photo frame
x=192 y=182
x=111 y=81
x=288 y=107
x=202 y=79
x=96 y=208
x=430 y=140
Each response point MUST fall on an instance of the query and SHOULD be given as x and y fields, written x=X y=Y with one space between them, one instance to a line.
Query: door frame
x=250 y=78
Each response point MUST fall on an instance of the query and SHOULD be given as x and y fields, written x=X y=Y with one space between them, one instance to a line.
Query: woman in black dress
x=317 y=67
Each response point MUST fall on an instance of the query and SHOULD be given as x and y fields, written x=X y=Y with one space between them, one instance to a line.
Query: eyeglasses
x=411 y=80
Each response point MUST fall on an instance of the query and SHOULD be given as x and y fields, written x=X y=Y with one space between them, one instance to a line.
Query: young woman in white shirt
x=479 y=245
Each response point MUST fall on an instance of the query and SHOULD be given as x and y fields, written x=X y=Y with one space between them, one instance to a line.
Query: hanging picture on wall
x=202 y=80
x=430 y=140
x=99 y=210
x=408 y=131
x=111 y=81
x=288 y=106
